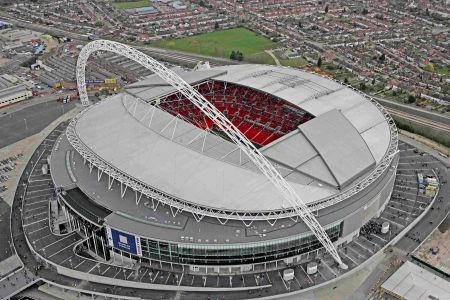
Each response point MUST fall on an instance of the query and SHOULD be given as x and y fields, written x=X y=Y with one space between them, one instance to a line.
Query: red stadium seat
x=263 y=118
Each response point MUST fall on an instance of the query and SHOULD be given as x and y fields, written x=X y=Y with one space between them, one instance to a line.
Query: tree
x=300 y=24
x=319 y=62
x=345 y=80
x=411 y=99
x=216 y=25
x=429 y=67
x=365 y=11
x=382 y=57
x=233 y=55
x=239 y=56
x=362 y=86
x=326 y=9
x=427 y=12
x=373 y=81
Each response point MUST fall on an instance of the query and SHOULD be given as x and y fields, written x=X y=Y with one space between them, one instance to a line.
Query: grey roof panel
x=317 y=169
x=291 y=151
x=364 y=116
x=340 y=145
x=377 y=141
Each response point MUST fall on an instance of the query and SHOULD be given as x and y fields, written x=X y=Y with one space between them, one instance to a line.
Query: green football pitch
x=220 y=43
x=131 y=4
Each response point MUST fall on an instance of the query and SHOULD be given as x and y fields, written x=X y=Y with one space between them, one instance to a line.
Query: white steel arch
x=218 y=118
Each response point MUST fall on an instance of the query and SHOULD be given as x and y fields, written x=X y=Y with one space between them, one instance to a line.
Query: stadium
x=150 y=178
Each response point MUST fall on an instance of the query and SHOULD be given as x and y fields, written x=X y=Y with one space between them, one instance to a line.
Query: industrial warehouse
x=223 y=179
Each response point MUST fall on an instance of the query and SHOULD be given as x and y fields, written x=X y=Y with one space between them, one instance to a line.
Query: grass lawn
x=444 y=70
x=260 y=58
x=220 y=43
x=298 y=62
x=131 y=4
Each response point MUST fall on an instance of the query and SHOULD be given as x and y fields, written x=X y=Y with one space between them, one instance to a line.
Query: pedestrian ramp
x=9 y=265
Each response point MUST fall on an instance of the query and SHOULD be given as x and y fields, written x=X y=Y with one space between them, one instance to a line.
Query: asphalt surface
x=28 y=121
x=439 y=210
x=5 y=239
x=445 y=119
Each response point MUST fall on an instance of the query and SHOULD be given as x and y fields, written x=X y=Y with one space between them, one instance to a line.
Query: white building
x=14 y=94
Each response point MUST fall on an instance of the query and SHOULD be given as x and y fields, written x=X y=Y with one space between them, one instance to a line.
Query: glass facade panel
x=236 y=253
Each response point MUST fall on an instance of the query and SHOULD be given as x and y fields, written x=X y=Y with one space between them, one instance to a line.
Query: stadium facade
x=151 y=179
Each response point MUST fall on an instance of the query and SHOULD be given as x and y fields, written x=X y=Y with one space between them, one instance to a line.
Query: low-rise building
x=13 y=94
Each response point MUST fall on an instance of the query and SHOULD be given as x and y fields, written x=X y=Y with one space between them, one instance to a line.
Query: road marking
x=343 y=253
x=45 y=212
x=307 y=275
x=359 y=255
x=57 y=241
x=25 y=225
x=279 y=274
x=93 y=267
x=31 y=185
x=106 y=270
x=131 y=273
x=48 y=189
x=406 y=187
x=38 y=196
x=116 y=273
x=299 y=285
x=36 y=208
x=71 y=245
x=36 y=230
x=366 y=239
x=320 y=273
x=40 y=180
x=69 y=257
x=403 y=204
x=329 y=268
x=401 y=226
x=375 y=235
x=41 y=238
x=146 y=270
x=406 y=212
x=391 y=214
x=408 y=175
x=156 y=276
x=181 y=278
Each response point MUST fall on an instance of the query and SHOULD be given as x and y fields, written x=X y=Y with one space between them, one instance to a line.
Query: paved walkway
x=16 y=282
x=270 y=52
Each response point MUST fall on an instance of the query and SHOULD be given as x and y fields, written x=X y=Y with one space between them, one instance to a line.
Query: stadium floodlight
x=222 y=122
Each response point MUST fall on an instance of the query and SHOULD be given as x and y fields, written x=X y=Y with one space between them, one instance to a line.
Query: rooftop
x=412 y=282
x=186 y=162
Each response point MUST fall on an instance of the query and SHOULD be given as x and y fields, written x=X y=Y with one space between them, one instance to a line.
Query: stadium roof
x=346 y=139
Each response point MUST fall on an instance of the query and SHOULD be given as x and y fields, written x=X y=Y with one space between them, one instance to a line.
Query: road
x=20 y=124
x=418 y=119
x=438 y=117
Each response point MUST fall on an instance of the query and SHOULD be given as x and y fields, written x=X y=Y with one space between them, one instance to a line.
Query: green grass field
x=220 y=43
x=131 y=4
x=294 y=62
x=444 y=70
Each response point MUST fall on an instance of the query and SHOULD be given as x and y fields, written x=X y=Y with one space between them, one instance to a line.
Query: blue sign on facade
x=124 y=241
